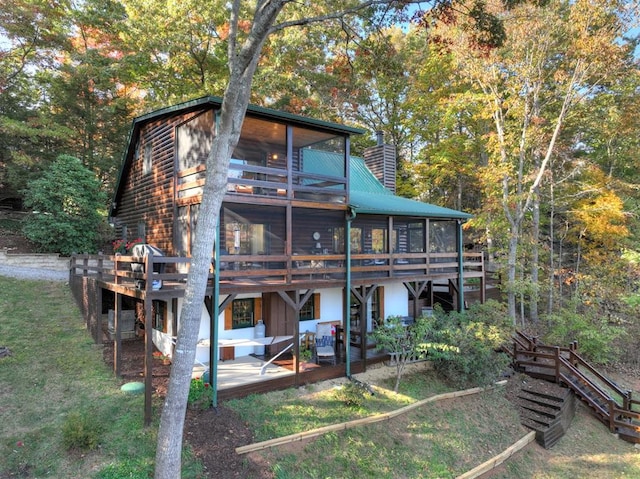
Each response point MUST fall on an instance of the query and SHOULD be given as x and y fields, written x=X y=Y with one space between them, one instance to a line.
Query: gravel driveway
x=21 y=272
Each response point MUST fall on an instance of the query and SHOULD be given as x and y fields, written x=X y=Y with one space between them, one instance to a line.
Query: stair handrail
x=531 y=341
x=575 y=358
x=590 y=385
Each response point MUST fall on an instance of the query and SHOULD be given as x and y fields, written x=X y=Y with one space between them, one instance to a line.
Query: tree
x=31 y=32
x=245 y=40
x=66 y=203
x=404 y=342
x=555 y=56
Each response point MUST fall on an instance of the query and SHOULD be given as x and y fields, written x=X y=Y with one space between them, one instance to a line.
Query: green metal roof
x=368 y=195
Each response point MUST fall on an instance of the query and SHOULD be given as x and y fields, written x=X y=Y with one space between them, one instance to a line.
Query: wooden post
x=98 y=337
x=626 y=400
x=116 y=278
x=117 y=343
x=148 y=349
x=612 y=419
x=557 y=361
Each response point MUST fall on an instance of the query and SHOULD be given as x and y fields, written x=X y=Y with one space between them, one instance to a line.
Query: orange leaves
x=603 y=219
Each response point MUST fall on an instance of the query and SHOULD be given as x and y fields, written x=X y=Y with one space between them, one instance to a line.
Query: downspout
x=351 y=214
x=460 y=269
x=213 y=357
x=213 y=328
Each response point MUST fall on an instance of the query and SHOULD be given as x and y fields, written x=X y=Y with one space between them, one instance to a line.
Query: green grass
x=12 y=225
x=56 y=370
x=438 y=440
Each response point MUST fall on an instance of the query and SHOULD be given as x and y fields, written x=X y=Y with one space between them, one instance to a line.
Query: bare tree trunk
x=511 y=276
x=535 y=258
x=242 y=64
x=552 y=234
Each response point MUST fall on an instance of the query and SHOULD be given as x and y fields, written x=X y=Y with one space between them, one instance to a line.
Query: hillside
x=11 y=238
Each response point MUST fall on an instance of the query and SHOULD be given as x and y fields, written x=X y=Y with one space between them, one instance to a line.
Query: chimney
x=381 y=160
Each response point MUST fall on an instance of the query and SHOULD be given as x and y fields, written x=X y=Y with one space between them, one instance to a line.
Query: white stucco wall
x=331 y=309
x=396 y=300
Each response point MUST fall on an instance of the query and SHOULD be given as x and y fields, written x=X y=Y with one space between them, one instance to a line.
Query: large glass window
x=379 y=240
x=356 y=240
x=194 y=138
x=243 y=238
x=408 y=237
x=250 y=229
x=442 y=236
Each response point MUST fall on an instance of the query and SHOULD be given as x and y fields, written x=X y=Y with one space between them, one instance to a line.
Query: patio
x=243 y=370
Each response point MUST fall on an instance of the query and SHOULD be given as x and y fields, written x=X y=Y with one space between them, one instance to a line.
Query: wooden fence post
x=612 y=426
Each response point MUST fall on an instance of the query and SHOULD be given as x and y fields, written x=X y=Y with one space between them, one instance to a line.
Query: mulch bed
x=213 y=434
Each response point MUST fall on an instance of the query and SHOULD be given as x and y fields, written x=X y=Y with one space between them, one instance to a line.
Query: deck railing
x=143 y=271
x=613 y=405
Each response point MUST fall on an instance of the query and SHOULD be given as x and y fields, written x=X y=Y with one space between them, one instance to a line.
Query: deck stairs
x=614 y=406
x=548 y=409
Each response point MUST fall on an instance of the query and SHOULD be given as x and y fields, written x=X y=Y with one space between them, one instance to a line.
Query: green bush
x=475 y=360
x=351 y=394
x=468 y=344
x=67 y=209
x=81 y=431
x=199 y=393
x=596 y=337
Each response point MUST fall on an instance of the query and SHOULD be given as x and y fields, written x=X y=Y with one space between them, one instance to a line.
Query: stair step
x=542 y=400
x=629 y=435
x=533 y=424
x=536 y=410
x=550 y=412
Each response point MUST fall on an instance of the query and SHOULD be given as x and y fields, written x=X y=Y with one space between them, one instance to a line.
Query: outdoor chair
x=325 y=350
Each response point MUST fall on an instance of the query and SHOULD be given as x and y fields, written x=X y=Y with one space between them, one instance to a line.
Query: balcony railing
x=171 y=272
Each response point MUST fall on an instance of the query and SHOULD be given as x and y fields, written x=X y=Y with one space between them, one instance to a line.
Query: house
x=309 y=236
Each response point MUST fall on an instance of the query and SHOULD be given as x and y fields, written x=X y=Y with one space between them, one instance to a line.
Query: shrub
x=199 y=393
x=474 y=361
x=351 y=394
x=66 y=204
x=595 y=336
x=81 y=431
x=404 y=341
x=464 y=344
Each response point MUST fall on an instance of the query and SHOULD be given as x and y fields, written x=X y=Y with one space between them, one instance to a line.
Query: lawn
x=56 y=377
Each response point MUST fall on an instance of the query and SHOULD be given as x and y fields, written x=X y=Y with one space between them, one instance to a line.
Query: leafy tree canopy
x=66 y=203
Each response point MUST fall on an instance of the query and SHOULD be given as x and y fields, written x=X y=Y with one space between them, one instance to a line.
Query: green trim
x=216 y=102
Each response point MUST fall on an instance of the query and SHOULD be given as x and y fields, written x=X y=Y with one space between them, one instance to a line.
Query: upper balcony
x=272 y=159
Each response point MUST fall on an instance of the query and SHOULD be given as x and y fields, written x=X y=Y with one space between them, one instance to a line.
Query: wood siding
x=148 y=198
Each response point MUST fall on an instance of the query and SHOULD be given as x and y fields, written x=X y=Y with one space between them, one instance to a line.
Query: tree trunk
x=535 y=258
x=242 y=64
x=511 y=275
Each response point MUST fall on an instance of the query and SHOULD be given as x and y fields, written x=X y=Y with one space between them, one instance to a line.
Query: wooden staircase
x=548 y=410
x=612 y=405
